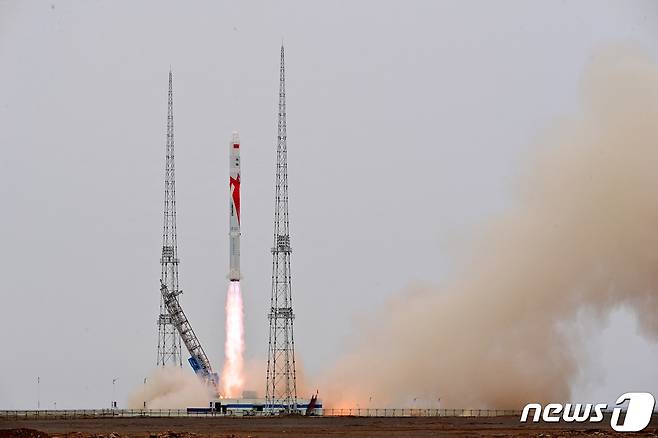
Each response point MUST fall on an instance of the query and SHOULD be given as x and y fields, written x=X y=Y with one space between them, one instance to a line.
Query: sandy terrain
x=265 y=427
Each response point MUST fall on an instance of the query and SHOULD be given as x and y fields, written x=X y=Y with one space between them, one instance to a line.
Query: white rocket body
x=234 y=233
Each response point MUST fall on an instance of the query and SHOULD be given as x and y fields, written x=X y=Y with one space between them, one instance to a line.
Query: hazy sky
x=408 y=123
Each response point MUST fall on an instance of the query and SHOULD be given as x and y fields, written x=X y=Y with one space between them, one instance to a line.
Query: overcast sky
x=407 y=124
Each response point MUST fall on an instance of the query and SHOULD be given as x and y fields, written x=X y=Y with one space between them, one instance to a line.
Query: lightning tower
x=281 y=391
x=169 y=341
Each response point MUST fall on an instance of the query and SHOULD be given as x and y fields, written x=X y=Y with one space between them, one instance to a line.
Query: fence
x=351 y=412
x=417 y=412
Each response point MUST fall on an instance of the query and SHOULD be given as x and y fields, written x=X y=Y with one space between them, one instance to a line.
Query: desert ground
x=278 y=427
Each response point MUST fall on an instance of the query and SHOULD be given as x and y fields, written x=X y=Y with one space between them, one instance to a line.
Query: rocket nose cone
x=235 y=139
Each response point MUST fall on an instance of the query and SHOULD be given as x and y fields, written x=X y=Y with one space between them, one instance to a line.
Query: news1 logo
x=638 y=413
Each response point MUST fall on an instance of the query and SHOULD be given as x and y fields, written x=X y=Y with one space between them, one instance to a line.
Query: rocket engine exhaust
x=233 y=372
x=580 y=241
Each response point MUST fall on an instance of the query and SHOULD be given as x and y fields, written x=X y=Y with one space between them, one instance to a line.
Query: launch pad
x=259 y=406
x=173 y=324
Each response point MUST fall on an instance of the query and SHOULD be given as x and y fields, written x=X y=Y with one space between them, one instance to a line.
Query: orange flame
x=233 y=372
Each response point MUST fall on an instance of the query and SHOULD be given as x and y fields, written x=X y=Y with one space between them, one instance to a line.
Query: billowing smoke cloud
x=171 y=388
x=583 y=236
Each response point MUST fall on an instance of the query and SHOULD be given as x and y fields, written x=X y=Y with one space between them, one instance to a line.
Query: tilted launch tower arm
x=171 y=313
x=199 y=361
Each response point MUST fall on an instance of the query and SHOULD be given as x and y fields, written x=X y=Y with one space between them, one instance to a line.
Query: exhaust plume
x=170 y=388
x=233 y=372
x=583 y=237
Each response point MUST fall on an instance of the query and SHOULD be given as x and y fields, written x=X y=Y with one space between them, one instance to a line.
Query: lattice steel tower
x=169 y=341
x=281 y=381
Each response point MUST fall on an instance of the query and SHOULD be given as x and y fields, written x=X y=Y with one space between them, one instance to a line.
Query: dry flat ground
x=291 y=427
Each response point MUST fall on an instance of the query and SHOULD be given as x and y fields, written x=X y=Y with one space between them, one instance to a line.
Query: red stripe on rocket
x=234 y=229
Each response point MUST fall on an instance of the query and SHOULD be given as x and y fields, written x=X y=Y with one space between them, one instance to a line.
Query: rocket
x=234 y=230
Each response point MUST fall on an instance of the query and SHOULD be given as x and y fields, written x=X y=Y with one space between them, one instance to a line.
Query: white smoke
x=170 y=388
x=583 y=236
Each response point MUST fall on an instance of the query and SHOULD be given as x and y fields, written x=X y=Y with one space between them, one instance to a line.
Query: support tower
x=169 y=341
x=281 y=392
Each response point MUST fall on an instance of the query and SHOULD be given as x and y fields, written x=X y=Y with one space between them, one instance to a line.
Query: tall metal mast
x=169 y=341
x=281 y=392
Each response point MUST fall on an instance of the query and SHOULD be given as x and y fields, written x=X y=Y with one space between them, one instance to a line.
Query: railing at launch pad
x=416 y=412
x=347 y=412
